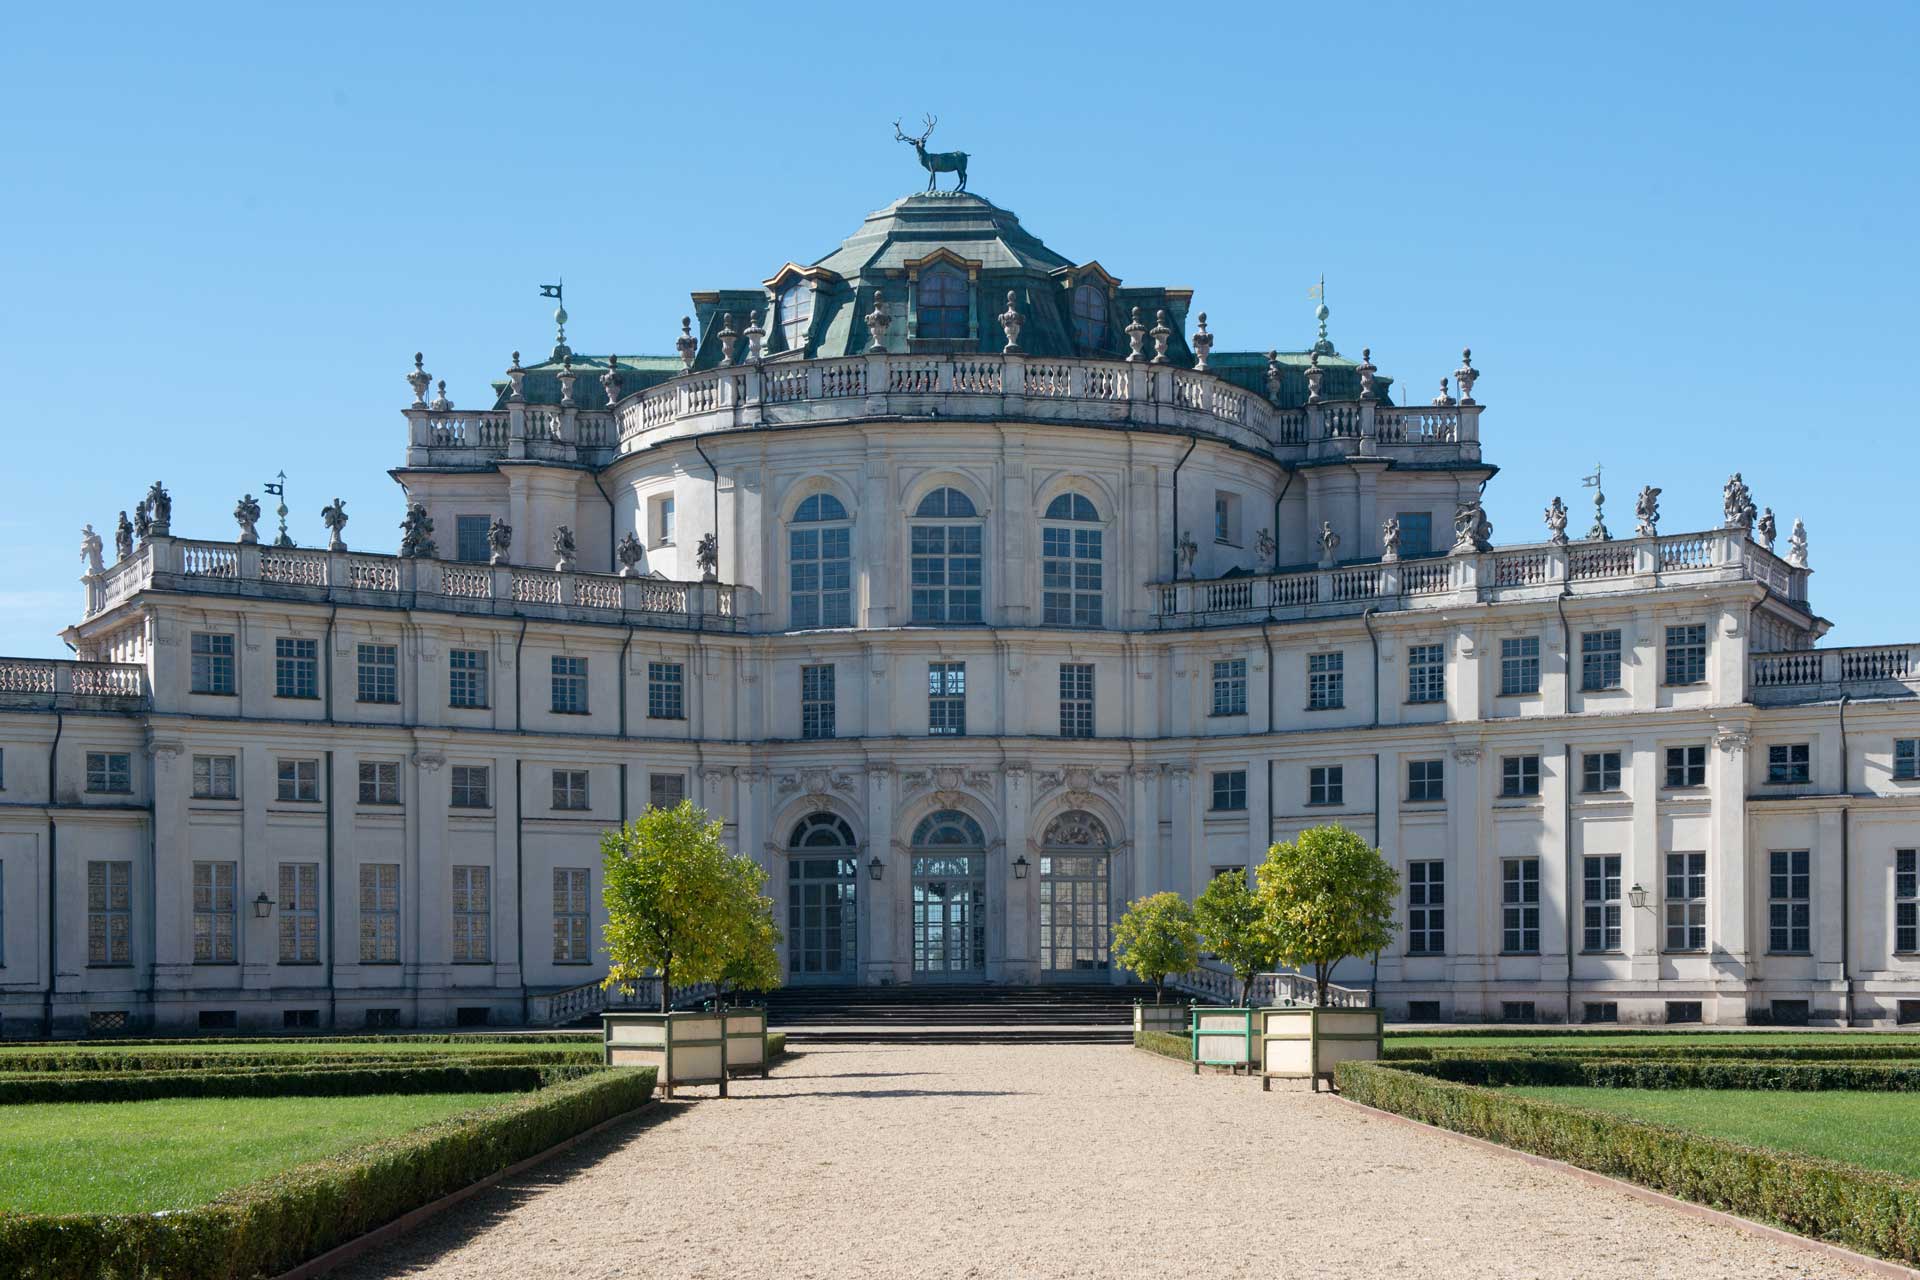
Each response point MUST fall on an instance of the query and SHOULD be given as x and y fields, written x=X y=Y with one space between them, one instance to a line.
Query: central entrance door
x=1075 y=857
x=949 y=897
x=822 y=920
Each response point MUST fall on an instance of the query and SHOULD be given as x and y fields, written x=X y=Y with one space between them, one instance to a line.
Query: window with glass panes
x=212 y=663
x=666 y=790
x=110 y=772
x=1906 y=901
x=1426 y=780
x=1076 y=699
x=569 y=788
x=1789 y=763
x=1789 y=901
x=1426 y=673
x=1520 y=906
x=299 y=913
x=941 y=304
x=817 y=705
x=109 y=913
x=297 y=781
x=1090 y=317
x=466 y=678
x=1600 y=771
x=570 y=918
x=1519 y=666
x=1426 y=908
x=1600 y=660
x=379 y=782
x=1906 y=759
x=470 y=539
x=1326 y=784
x=946 y=698
x=820 y=564
x=1229 y=791
x=1686 y=767
x=1520 y=775
x=472 y=787
x=1230 y=687
x=213 y=778
x=472 y=915
x=1686 y=902
x=666 y=691
x=379 y=913
x=1600 y=902
x=1070 y=557
x=1326 y=681
x=946 y=559
x=569 y=676
x=796 y=314
x=379 y=673
x=1687 y=654
x=214 y=918
x=1416 y=532
x=296 y=668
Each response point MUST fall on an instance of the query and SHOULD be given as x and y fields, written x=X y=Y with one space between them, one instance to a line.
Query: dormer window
x=942 y=305
x=1090 y=317
x=796 y=314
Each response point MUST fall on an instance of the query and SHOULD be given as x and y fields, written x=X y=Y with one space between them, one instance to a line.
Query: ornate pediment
x=816 y=782
x=950 y=784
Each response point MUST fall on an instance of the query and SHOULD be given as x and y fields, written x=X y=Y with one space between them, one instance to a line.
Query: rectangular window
x=379 y=673
x=1326 y=681
x=1519 y=776
x=1076 y=699
x=213 y=778
x=214 y=918
x=1686 y=902
x=570 y=888
x=1230 y=687
x=1789 y=902
x=298 y=781
x=570 y=788
x=1600 y=1011
x=1789 y=763
x=296 y=668
x=1520 y=906
x=1906 y=759
x=212 y=663
x=109 y=913
x=1426 y=908
x=1326 y=784
x=946 y=698
x=299 y=913
x=466 y=677
x=569 y=675
x=666 y=790
x=666 y=691
x=1600 y=771
x=1601 y=903
x=1426 y=673
x=1600 y=660
x=1906 y=901
x=472 y=915
x=472 y=786
x=1518 y=1011
x=663 y=522
x=1230 y=791
x=110 y=772
x=1226 y=517
x=379 y=913
x=1686 y=767
x=1683 y=1011
x=817 y=703
x=379 y=782
x=1519 y=666
x=1416 y=532
x=470 y=539
x=1426 y=780
x=1687 y=654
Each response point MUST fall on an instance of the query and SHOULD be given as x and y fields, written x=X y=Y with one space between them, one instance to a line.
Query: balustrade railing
x=1863 y=667
x=1212 y=981
x=48 y=683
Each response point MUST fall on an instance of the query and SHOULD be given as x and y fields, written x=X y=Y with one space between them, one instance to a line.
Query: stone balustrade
x=353 y=577
x=58 y=684
x=1537 y=571
x=542 y=432
x=1813 y=675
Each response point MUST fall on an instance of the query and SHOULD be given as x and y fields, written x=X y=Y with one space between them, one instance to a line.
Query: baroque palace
x=978 y=594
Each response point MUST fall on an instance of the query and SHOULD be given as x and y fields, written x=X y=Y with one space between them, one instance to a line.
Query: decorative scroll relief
x=1731 y=740
x=1078 y=781
x=816 y=782
x=1076 y=829
x=948 y=781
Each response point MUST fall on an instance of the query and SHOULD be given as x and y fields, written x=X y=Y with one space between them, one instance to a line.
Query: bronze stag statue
x=935 y=162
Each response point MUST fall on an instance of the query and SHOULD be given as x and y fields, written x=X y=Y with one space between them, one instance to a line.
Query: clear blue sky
x=1679 y=238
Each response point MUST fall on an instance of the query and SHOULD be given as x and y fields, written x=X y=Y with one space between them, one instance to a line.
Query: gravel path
x=997 y=1161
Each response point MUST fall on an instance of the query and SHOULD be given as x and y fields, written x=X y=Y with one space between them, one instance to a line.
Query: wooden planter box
x=1304 y=1042
x=1171 y=1018
x=1223 y=1037
x=747 y=1042
x=688 y=1048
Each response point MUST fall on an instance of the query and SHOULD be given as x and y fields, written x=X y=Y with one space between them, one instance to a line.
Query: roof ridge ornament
x=1202 y=345
x=1366 y=370
x=558 y=293
x=879 y=320
x=1466 y=375
x=1136 y=339
x=1314 y=376
x=1321 y=343
x=419 y=380
x=686 y=344
x=726 y=338
x=1162 y=335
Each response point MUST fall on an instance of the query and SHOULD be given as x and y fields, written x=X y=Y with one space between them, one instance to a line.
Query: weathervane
x=558 y=293
x=277 y=487
x=1599 y=531
x=934 y=162
x=1318 y=293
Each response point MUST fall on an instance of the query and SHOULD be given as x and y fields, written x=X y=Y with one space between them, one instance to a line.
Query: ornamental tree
x=1233 y=927
x=1326 y=897
x=1156 y=937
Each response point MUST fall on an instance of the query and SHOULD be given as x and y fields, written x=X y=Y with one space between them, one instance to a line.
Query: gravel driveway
x=995 y=1161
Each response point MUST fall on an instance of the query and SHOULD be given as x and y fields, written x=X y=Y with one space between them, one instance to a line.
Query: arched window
x=1090 y=317
x=949 y=894
x=796 y=314
x=820 y=564
x=948 y=828
x=1070 y=578
x=941 y=304
x=821 y=831
x=947 y=558
x=823 y=877
x=1074 y=894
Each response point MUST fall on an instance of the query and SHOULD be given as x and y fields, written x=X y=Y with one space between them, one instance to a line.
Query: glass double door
x=822 y=921
x=1073 y=915
x=949 y=915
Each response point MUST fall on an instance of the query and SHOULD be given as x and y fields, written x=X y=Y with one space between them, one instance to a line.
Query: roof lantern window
x=942 y=308
x=795 y=314
x=1090 y=315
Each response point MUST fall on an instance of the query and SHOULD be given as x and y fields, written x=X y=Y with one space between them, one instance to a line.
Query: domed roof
x=912 y=227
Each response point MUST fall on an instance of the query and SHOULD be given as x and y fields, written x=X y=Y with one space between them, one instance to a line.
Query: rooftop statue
x=1390 y=540
x=935 y=162
x=123 y=538
x=1737 y=502
x=1472 y=531
x=1557 y=522
x=499 y=540
x=1647 y=509
x=246 y=514
x=1797 y=545
x=334 y=517
x=1329 y=544
x=708 y=554
x=564 y=549
x=416 y=533
x=160 y=505
x=629 y=553
x=90 y=547
x=1767 y=529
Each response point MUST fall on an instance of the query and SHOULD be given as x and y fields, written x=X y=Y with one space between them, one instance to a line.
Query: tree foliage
x=1326 y=897
x=1157 y=936
x=1233 y=926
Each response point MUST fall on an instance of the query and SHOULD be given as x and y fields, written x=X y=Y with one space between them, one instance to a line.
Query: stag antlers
x=920 y=141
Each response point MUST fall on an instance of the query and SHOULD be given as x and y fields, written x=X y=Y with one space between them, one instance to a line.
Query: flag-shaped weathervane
x=556 y=291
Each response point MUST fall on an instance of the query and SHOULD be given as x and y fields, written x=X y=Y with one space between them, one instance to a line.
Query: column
x=426 y=889
x=1144 y=837
x=880 y=961
x=1641 y=864
x=170 y=882
x=1178 y=860
x=1020 y=929
x=1727 y=860
x=1469 y=882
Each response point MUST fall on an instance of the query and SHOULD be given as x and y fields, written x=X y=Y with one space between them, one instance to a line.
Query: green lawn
x=1872 y=1130
x=136 y=1157
x=586 y=1044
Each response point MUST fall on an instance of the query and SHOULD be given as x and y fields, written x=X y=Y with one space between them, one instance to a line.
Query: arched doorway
x=1075 y=861
x=823 y=875
x=949 y=897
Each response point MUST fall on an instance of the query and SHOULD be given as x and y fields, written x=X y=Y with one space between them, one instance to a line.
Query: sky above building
x=1679 y=239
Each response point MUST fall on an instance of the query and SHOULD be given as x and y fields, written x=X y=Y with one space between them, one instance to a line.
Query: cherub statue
x=246 y=514
x=90 y=547
x=416 y=533
x=563 y=548
x=1646 y=509
x=1797 y=545
x=499 y=540
x=1767 y=529
x=707 y=552
x=1557 y=522
x=1472 y=531
x=334 y=516
x=1390 y=540
x=630 y=552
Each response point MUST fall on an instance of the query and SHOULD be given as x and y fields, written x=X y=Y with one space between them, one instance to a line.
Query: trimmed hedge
x=48 y=1086
x=1706 y=1073
x=549 y=1036
x=1872 y=1212
x=164 y=1061
x=1165 y=1043
x=275 y=1224
x=1855 y=1052
x=776 y=1045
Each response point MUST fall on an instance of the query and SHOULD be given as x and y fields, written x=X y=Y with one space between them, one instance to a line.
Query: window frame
x=377 y=673
x=1906 y=759
x=379 y=945
x=950 y=308
x=1327 y=681
x=1076 y=699
x=216 y=912
x=1692 y=764
x=568 y=791
x=1601 y=893
x=820 y=564
x=468 y=686
x=1906 y=902
x=299 y=905
x=1426 y=673
x=1519 y=666
x=666 y=690
x=1072 y=563
x=567 y=684
x=112 y=775
x=572 y=915
x=377 y=783
x=1790 y=902
x=1790 y=764
x=296 y=780
x=206 y=783
x=1685 y=653
x=112 y=904
x=213 y=668
x=1595 y=769
x=296 y=668
x=1602 y=660
x=1520 y=777
x=662 y=782
x=945 y=584
x=1326 y=785
x=819 y=701
x=470 y=786
x=1686 y=889
x=470 y=545
x=1431 y=788
x=946 y=699
x=1426 y=891
x=470 y=932
x=1229 y=687
x=1230 y=786
x=1519 y=906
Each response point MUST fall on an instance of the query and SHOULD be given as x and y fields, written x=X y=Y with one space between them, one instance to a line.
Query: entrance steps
x=957 y=1014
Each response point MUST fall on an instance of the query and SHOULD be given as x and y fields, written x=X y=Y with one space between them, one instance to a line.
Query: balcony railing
x=57 y=684
x=543 y=432
x=1809 y=675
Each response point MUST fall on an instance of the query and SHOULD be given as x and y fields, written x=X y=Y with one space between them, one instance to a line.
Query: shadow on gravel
x=880 y=1093
x=857 y=1075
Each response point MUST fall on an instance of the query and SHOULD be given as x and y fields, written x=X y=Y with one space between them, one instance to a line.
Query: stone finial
x=90 y=550
x=1797 y=544
x=1557 y=522
x=1329 y=544
x=123 y=538
x=567 y=379
x=440 y=402
x=756 y=338
x=1646 y=511
x=1472 y=531
x=419 y=379
x=1390 y=540
x=707 y=554
x=499 y=540
x=686 y=344
x=629 y=553
x=1273 y=376
x=159 y=506
x=879 y=321
x=416 y=533
x=1366 y=370
x=1202 y=345
x=1010 y=322
x=1443 y=398
x=334 y=516
x=560 y=348
x=1466 y=375
x=246 y=514
x=610 y=381
x=1766 y=530
x=1315 y=376
x=1162 y=335
x=726 y=338
x=1736 y=502
x=517 y=380
x=1136 y=339
x=564 y=550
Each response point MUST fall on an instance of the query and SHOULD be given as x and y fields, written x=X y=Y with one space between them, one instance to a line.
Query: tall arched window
x=823 y=875
x=796 y=314
x=1070 y=578
x=820 y=564
x=941 y=304
x=1090 y=317
x=947 y=558
x=949 y=895
x=1074 y=902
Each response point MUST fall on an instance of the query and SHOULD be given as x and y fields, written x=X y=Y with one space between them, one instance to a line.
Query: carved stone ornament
x=1797 y=545
x=1472 y=531
x=517 y=381
x=90 y=550
x=879 y=320
x=707 y=552
x=419 y=379
x=1736 y=503
x=1557 y=522
x=160 y=508
x=1766 y=530
x=429 y=760
x=1646 y=511
x=246 y=514
x=123 y=538
x=1390 y=540
x=1080 y=782
x=1732 y=740
x=564 y=550
x=499 y=540
x=1136 y=339
x=440 y=402
x=756 y=338
x=334 y=516
x=686 y=344
x=567 y=378
x=1189 y=550
x=630 y=552
x=726 y=338
x=1443 y=399
x=1466 y=375
x=610 y=381
x=815 y=782
x=1273 y=376
x=1366 y=370
x=142 y=521
x=1329 y=544
x=1467 y=755
x=1263 y=544
x=1010 y=322
x=1202 y=345
x=1315 y=377
x=1162 y=337
x=416 y=533
x=1076 y=829
x=1599 y=532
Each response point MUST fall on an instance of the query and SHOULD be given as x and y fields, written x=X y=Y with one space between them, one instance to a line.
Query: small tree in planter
x=1327 y=896
x=1233 y=927
x=1156 y=937
x=755 y=964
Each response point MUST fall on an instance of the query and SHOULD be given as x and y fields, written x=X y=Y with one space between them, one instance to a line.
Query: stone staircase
x=955 y=1014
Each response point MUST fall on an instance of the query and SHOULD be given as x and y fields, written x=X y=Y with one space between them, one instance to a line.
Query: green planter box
x=1223 y=1037
x=746 y=1042
x=685 y=1048
x=1305 y=1043
x=1160 y=1017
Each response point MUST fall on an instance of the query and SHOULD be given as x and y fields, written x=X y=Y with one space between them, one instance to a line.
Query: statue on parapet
x=1472 y=531
x=1329 y=544
x=629 y=553
x=1797 y=545
x=160 y=509
x=123 y=538
x=90 y=549
x=1390 y=540
x=1647 y=510
x=707 y=553
x=1557 y=522
x=142 y=521
x=1767 y=529
x=416 y=533
x=334 y=516
x=564 y=550
x=499 y=540
x=246 y=514
x=1737 y=503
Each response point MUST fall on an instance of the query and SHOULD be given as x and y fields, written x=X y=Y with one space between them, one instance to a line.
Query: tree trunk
x=1246 y=991
x=1159 y=987
x=666 y=986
